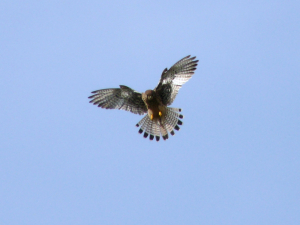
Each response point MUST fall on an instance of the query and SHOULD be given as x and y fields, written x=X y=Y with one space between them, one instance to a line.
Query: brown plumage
x=161 y=119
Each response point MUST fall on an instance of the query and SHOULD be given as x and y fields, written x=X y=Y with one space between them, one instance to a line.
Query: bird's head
x=150 y=95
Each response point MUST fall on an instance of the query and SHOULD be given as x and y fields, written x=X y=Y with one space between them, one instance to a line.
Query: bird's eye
x=149 y=97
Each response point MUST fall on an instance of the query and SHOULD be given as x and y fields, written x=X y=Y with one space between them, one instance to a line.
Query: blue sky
x=235 y=159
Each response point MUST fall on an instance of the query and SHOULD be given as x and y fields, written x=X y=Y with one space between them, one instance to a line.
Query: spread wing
x=171 y=80
x=119 y=98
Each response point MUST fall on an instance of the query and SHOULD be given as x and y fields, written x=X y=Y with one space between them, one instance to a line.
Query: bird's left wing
x=119 y=98
x=171 y=80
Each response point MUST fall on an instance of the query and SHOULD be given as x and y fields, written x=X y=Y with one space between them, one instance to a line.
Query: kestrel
x=161 y=119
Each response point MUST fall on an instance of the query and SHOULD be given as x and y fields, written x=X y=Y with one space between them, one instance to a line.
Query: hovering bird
x=160 y=119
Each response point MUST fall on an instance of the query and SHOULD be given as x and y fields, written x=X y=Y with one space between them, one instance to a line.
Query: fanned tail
x=162 y=126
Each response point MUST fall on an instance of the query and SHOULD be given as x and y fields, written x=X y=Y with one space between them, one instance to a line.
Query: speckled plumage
x=161 y=119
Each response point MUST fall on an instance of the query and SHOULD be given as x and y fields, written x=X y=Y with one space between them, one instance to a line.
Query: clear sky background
x=236 y=159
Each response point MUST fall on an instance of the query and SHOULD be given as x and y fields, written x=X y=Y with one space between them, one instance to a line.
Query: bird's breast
x=156 y=111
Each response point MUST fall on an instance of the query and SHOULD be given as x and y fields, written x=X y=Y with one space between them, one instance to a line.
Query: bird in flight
x=160 y=119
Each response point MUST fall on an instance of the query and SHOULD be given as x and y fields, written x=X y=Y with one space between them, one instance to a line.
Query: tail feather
x=162 y=127
x=164 y=132
x=175 y=109
x=171 y=119
x=157 y=129
x=142 y=121
x=148 y=125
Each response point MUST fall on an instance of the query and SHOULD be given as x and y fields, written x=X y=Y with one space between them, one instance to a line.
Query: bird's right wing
x=123 y=98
